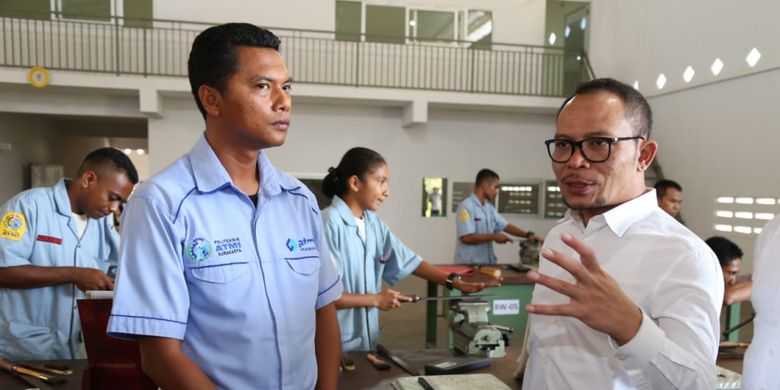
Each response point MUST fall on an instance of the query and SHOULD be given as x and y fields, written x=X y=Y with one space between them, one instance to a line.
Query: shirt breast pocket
x=304 y=265
x=220 y=273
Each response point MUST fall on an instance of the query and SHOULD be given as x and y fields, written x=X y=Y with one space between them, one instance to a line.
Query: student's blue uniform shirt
x=238 y=284
x=473 y=217
x=37 y=228
x=362 y=267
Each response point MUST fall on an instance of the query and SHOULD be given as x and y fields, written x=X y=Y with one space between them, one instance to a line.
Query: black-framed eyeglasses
x=594 y=149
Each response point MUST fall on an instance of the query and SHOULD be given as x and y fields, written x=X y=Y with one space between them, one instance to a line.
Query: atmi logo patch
x=199 y=249
x=302 y=245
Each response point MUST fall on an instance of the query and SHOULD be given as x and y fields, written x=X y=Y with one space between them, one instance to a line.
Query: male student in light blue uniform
x=55 y=243
x=224 y=276
x=479 y=224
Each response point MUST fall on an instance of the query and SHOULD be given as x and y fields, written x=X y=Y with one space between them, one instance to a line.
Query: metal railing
x=161 y=48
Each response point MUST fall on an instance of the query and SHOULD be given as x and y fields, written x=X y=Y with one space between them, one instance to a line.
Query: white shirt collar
x=621 y=217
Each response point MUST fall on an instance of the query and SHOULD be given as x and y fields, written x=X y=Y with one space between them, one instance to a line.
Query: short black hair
x=485 y=174
x=664 y=184
x=638 y=110
x=109 y=158
x=725 y=249
x=213 y=58
x=358 y=162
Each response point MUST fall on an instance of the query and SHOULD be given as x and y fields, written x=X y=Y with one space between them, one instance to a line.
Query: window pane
x=479 y=28
x=137 y=13
x=29 y=9
x=347 y=21
x=385 y=24
x=87 y=9
x=435 y=25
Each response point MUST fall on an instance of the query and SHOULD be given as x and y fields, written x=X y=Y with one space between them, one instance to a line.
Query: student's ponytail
x=356 y=162
x=333 y=184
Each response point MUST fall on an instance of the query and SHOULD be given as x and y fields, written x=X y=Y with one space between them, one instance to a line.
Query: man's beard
x=600 y=203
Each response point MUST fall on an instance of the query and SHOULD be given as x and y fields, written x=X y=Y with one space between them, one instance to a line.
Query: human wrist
x=449 y=283
x=627 y=333
x=71 y=274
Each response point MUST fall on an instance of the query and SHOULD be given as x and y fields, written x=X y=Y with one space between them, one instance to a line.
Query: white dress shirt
x=671 y=274
x=762 y=359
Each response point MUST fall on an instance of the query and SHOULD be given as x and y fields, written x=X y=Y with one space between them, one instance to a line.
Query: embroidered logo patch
x=199 y=249
x=227 y=246
x=13 y=226
x=303 y=245
x=464 y=215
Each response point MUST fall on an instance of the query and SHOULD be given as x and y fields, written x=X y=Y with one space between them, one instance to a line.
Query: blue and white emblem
x=199 y=249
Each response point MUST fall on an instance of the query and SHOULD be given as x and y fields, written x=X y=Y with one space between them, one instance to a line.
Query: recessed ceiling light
x=660 y=81
x=716 y=66
x=753 y=57
x=552 y=38
x=636 y=84
x=688 y=74
x=566 y=31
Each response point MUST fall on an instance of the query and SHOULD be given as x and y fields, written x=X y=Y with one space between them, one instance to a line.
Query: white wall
x=514 y=21
x=638 y=40
x=716 y=134
x=454 y=144
x=309 y=14
x=721 y=140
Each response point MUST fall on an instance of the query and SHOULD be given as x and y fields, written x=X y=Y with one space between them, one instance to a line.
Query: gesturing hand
x=595 y=298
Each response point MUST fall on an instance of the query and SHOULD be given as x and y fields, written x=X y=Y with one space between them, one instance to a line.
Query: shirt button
x=621 y=357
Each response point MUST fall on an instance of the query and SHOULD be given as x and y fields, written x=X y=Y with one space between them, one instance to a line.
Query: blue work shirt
x=238 y=283
x=38 y=229
x=362 y=267
x=473 y=217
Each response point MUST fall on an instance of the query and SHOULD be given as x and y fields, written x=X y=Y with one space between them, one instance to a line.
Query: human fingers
x=564 y=309
x=572 y=266
x=471 y=287
x=587 y=255
x=555 y=284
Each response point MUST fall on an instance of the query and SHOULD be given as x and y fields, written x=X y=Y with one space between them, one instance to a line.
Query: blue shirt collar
x=476 y=201
x=210 y=175
x=344 y=211
x=61 y=199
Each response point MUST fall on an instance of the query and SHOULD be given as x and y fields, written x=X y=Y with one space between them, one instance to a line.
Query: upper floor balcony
x=155 y=48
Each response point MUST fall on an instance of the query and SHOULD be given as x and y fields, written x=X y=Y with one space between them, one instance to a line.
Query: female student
x=366 y=252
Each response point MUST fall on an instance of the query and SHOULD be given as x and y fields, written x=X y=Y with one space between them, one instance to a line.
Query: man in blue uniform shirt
x=479 y=224
x=56 y=243
x=225 y=279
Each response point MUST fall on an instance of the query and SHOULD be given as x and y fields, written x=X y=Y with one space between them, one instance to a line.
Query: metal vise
x=471 y=332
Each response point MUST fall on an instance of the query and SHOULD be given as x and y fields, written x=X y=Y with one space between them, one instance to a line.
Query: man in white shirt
x=762 y=358
x=626 y=297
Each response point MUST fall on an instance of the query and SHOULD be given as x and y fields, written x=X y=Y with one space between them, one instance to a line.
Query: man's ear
x=88 y=179
x=647 y=152
x=210 y=99
x=353 y=183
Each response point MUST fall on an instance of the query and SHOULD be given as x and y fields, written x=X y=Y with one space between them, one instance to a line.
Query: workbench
x=516 y=288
